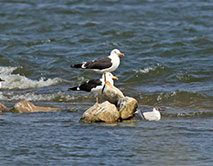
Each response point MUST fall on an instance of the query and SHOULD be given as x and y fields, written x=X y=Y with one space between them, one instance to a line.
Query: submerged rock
x=127 y=107
x=3 y=108
x=104 y=112
x=28 y=107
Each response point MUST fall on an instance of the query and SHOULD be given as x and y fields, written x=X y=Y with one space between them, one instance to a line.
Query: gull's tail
x=73 y=88
x=76 y=66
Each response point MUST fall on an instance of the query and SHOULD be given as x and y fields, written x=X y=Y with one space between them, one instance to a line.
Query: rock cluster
x=117 y=107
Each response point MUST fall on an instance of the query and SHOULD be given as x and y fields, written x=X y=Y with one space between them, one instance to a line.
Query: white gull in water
x=154 y=115
x=96 y=85
x=106 y=64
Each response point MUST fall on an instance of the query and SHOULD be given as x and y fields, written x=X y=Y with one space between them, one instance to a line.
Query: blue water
x=58 y=139
x=168 y=62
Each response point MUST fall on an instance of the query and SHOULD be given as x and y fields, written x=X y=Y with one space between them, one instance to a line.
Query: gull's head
x=158 y=109
x=116 y=52
x=110 y=76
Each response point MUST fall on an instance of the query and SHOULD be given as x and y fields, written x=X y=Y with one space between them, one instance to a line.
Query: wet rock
x=112 y=94
x=127 y=107
x=117 y=107
x=28 y=107
x=3 y=108
x=104 y=112
x=108 y=112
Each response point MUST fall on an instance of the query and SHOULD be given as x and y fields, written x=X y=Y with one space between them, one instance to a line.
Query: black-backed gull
x=95 y=85
x=106 y=64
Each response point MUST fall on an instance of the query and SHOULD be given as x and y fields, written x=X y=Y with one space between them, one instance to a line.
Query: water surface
x=168 y=62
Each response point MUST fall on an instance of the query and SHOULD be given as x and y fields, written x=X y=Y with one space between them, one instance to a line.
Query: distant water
x=168 y=61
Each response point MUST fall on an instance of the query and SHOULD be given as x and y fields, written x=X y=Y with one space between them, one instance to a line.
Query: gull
x=105 y=64
x=153 y=115
x=96 y=85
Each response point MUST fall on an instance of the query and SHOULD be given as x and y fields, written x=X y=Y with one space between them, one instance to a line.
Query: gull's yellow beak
x=115 y=78
x=122 y=54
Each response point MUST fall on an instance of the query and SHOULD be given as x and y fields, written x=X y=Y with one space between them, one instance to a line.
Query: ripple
x=118 y=33
x=180 y=99
x=190 y=78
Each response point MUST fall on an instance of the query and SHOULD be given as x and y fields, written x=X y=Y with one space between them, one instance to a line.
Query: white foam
x=17 y=81
x=32 y=96
x=146 y=70
x=7 y=70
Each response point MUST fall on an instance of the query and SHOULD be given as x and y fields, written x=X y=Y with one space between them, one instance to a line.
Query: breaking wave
x=17 y=81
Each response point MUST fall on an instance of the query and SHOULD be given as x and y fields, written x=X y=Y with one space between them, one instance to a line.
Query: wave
x=180 y=99
x=17 y=81
x=199 y=114
x=54 y=97
x=176 y=113
x=156 y=68
x=189 y=78
x=149 y=69
x=152 y=72
x=32 y=96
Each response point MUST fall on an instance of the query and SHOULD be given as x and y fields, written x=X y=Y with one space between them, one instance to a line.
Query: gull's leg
x=105 y=77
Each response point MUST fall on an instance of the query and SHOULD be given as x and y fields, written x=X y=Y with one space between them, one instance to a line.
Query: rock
x=27 y=107
x=104 y=112
x=127 y=107
x=117 y=108
x=3 y=108
x=112 y=94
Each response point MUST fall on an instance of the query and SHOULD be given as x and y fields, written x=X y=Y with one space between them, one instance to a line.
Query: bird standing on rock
x=96 y=85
